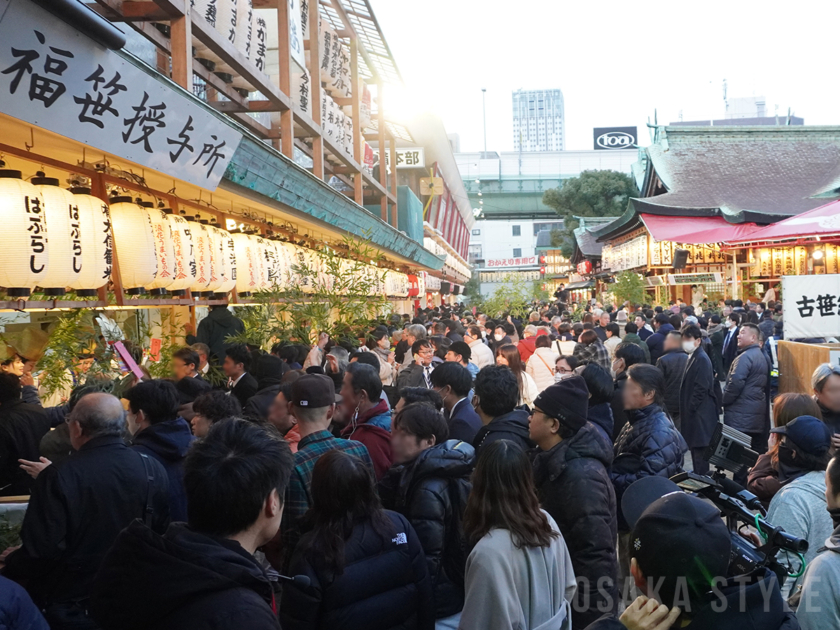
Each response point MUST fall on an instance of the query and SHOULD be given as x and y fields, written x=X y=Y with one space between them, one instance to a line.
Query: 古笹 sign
x=811 y=305
x=54 y=77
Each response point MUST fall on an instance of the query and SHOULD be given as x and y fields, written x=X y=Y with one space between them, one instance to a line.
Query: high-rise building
x=538 y=120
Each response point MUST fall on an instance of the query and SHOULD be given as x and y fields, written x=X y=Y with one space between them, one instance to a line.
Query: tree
x=513 y=297
x=591 y=194
x=629 y=287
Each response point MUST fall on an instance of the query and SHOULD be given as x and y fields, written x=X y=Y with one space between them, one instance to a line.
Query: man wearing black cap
x=680 y=560
x=313 y=405
x=570 y=472
x=459 y=352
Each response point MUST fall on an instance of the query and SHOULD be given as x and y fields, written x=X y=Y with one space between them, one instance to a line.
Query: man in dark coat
x=717 y=333
x=78 y=508
x=745 y=396
x=626 y=354
x=662 y=324
x=162 y=434
x=219 y=324
x=202 y=574
x=672 y=363
x=268 y=370
x=729 y=350
x=698 y=401
x=240 y=383
x=22 y=426
x=574 y=487
x=497 y=394
x=419 y=373
x=454 y=382
x=632 y=336
x=429 y=485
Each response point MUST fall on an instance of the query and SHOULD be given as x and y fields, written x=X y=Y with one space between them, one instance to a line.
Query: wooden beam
x=143 y=11
x=284 y=55
x=358 y=147
x=315 y=87
x=181 y=42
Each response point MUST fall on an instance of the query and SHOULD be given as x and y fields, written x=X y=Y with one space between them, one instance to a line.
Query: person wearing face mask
x=819 y=606
x=501 y=335
x=382 y=349
x=800 y=507
x=565 y=367
x=697 y=399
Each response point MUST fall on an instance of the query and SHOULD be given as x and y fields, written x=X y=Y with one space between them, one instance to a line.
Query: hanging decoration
x=134 y=242
x=62 y=216
x=94 y=256
x=229 y=283
x=184 y=257
x=24 y=235
x=203 y=258
x=166 y=272
x=247 y=265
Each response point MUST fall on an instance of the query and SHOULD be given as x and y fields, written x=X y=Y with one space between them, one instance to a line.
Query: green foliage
x=74 y=333
x=539 y=293
x=629 y=287
x=514 y=296
x=591 y=194
x=9 y=533
x=343 y=299
x=472 y=290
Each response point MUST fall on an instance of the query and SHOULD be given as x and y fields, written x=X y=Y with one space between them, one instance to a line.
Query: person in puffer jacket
x=429 y=485
x=649 y=444
x=366 y=568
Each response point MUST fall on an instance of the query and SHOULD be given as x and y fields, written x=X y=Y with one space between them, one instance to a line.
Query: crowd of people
x=448 y=470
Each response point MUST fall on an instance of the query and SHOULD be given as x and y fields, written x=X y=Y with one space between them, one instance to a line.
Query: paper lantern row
x=52 y=238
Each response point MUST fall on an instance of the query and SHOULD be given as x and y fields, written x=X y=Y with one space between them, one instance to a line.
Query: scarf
x=835 y=517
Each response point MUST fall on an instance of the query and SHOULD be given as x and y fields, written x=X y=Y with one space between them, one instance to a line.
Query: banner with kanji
x=811 y=306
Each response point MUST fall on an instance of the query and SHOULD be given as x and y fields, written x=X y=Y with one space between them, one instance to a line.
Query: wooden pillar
x=284 y=55
x=315 y=85
x=383 y=171
x=358 y=151
x=181 y=43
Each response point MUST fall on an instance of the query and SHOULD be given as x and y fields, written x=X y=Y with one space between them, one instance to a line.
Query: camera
x=730 y=449
x=736 y=503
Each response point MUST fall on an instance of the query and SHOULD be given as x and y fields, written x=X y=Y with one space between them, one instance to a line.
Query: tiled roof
x=745 y=171
x=586 y=242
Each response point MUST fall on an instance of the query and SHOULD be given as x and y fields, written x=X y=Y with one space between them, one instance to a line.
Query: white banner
x=811 y=306
x=54 y=77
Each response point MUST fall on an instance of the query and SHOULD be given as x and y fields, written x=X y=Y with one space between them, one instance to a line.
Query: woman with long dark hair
x=366 y=567
x=508 y=355
x=519 y=573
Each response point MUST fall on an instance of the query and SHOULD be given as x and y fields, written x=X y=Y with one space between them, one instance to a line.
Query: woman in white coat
x=519 y=574
x=541 y=364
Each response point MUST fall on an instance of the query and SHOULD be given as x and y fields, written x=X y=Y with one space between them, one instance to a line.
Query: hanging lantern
x=24 y=235
x=134 y=242
x=247 y=265
x=203 y=258
x=162 y=230
x=184 y=257
x=62 y=216
x=93 y=256
x=216 y=277
x=271 y=263
x=287 y=255
x=220 y=258
x=229 y=255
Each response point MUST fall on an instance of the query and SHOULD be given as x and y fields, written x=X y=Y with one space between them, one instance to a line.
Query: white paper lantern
x=94 y=255
x=134 y=242
x=272 y=264
x=202 y=246
x=164 y=248
x=61 y=216
x=216 y=252
x=247 y=264
x=229 y=256
x=184 y=256
x=24 y=236
x=287 y=256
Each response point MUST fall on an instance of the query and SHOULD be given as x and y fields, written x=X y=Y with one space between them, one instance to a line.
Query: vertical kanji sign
x=811 y=305
x=56 y=78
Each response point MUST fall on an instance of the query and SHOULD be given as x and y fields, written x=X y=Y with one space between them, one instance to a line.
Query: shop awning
x=823 y=222
x=580 y=285
x=696 y=230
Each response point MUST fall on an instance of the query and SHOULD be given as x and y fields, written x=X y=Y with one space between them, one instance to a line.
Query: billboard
x=610 y=138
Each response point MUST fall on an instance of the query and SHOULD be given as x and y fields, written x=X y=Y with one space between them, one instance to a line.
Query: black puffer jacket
x=511 y=426
x=431 y=492
x=183 y=579
x=672 y=363
x=574 y=488
x=648 y=445
x=745 y=396
x=385 y=585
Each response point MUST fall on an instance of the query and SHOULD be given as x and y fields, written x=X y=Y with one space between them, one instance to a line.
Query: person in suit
x=419 y=373
x=698 y=399
x=453 y=382
x=185 y=362
x=730 y=341
x=240 y=383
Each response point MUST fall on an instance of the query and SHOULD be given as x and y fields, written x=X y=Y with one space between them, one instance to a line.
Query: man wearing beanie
x=570 y=471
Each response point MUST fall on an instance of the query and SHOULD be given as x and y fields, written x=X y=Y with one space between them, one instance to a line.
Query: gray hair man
x=414 y=332
x=78 y=507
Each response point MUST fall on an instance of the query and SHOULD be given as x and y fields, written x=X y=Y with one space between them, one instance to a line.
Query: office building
x=538 y=120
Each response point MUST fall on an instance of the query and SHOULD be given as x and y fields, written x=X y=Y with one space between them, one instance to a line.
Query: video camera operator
x=680 y=549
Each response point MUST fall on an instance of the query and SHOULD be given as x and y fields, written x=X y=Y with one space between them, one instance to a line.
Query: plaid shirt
x=298 y=497
x=595 y=352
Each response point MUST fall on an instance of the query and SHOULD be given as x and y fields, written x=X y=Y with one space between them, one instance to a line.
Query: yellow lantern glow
x=95 y=253
x=134 y=242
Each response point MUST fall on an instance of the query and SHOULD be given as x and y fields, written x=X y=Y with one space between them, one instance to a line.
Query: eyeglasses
x=563 y=370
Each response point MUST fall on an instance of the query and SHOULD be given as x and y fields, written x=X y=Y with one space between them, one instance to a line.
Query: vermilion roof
x=696 y=230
